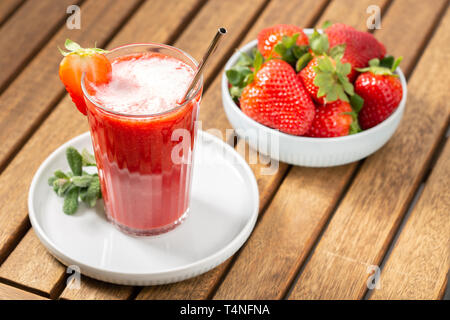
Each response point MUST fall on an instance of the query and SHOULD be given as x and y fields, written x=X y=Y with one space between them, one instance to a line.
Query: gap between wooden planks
x=8 y=8
x=418 y=265
x=11 y=293
x=66 y=120
x=366 y=220
x=26 y=32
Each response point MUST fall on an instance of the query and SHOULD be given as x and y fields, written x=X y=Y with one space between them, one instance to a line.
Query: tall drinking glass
x=145 y=160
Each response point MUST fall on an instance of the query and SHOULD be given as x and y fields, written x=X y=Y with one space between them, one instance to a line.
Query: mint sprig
x=76 y=184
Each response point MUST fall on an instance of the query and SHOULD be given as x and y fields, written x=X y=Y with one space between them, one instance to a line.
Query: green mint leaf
x=82 y=181
x=71 y=201
x=93 y=192
x=51 y=180
x=357 y=102
x=61 y=175
x=88 y=159
x=63 y=186
x=75 y=160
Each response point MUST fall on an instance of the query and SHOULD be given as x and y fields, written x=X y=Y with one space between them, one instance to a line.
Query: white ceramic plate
x=224 y=208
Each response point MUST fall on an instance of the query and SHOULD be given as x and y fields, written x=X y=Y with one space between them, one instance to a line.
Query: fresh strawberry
x=333 y=120
x=360 y=46
x=381 y=90
x=268 y=38
x=326 y=80
x=322 y=72
x=278 y=99
x=77 y=61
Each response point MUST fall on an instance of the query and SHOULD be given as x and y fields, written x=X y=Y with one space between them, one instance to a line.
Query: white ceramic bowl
x=305 y=151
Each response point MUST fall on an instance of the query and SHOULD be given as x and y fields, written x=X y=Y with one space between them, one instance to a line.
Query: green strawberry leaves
x=354 y=126
x=73 y=47
x=243 y=73
x=332 y=79
x=357 y=102
x=319 y=43
x=76 y=183
x=385 y=66
x=288 y=49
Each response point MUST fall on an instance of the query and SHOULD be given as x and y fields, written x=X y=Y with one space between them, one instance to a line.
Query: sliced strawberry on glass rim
x=78 y=60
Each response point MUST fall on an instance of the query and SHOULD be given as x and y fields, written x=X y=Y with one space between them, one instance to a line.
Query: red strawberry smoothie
x=132 y=119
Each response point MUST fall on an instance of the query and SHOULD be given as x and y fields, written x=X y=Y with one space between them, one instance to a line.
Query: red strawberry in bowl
x=360 y=46
x=77 y=61
x=381 y=90
x=326 y=80
x=333 y=120
x=325 y=76
x=268 y=38
x=277 y=98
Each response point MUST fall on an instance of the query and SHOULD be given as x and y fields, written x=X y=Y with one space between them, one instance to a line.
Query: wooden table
x=321 y=233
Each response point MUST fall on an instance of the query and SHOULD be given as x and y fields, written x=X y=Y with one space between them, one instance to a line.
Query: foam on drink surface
x=145 y=84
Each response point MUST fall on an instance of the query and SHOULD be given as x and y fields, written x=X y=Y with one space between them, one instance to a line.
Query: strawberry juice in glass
x=143 y=136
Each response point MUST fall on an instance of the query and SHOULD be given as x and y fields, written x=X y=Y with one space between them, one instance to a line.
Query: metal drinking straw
x=220 y=32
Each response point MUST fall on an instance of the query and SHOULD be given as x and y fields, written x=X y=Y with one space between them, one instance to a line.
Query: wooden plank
x=7 y=8
x=235 y=15
x=366 y=220
x=11 y=293
x=91 y=289
x=32 y=275
x=24 y=33
x=339 y=175
x=355 y=17
x=276 y=12
x=282 y=238
x=197 y=288
x=65 y=120
x=418 y=265
x=34 y=92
